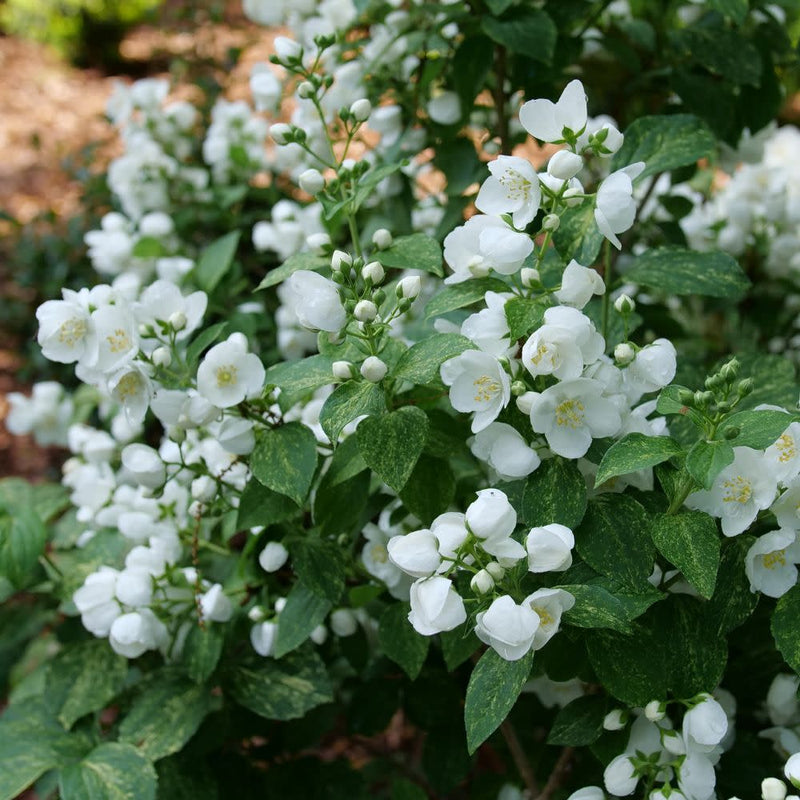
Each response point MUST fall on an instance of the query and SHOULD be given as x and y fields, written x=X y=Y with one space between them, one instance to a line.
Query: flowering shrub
x=317 y=478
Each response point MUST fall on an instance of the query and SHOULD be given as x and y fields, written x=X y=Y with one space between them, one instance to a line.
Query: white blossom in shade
x=782 y=703
x=572 y=413
x=787 y=507
x=415 y=553
x=619 y=777
x=484 y=243
x=144 y=465
x=236 y=435
x=546 y=120
x=505 y=450
x=136 y=632
x=161 y=299
x=450 y=531
x=696 y=776
x=549 y=548
x=652 y=369
x=792 y=769
x=578 y=285
x=96 y=601
x=132 y=388
x=705 y=725
x=46 y=414
x=435 y=606
x=376 y=556
x=343 y=622
x=512 y=188
x=739 y=492
x=507 y=627
x=477 y=383
x=488 y=328
x=262 y=637
x=134 y=587
x=265 y=87
x=316 y=301
x=615 y=209
x=215 y=605
x=549 y=605
x=771 y=562
x=273 y=556
x=228 y=373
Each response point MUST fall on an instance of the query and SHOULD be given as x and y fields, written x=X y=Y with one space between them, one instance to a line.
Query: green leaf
x=262 y=506
x=340 y=509
x=665 y=143
x=458 y=645
x=417 y=251
x=735 y=9
x=733 y=601
x=429 y=489
x=579 y=722
x=390 y=444
x=634 y=452
x=82 y=678
x=46 y=499
x=596 y=607
x=614 y=539
x=23 y=537
x=691 y=542
x=404 y=789
x=164 y=716
x=472 y=62
x=707 y=459
x=785 y=629
x=462 y=294
x=497 y=7
x=530 y=33
x=400 y=642
x=148 y=247
x=292 y=264
x=680 y=271
x=320 y=566
x=723 y=52
x=346 y=462
x=578 y=236
x=204 y=340
x=555 y=492
x=348 y=401
x=299 y=378
x=494 y=687
x=285 y=689
x=421 y=362
x=112 y=771
x=304 y=611
x=285 y=460
x=201 y=651
x=756 y=429
x=216 y=260
x=775 y=380
x=524 y=315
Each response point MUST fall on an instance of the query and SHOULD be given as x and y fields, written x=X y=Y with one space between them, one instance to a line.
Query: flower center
x=485 y=389
x=775 y=559
x=118 y=341
x=545 y=617
x=226 y=375
x=71 y=331
x=128 y=386
x=379 y=554
x=786 y=448
x=517 y=187
x=570 y=414
x=737 y=490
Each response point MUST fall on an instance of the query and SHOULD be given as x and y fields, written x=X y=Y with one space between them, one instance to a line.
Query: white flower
x=445 y=108
x=705 y=725
x=228 y=373
x=316 y=301
x=416 y=553
x=96 y=601
x=450 y=531
x=66 y=332
x=477 y=383
x=784 y=455
x=572 y=413
x=507 y=627
x=435 y=606
x=547 y=120
x=615 y=720
x=117 y=339
x=782 y=703
x=549 y=605
x=273 y=556
x=619 y=777
x=265 y=87
x=578 y=284
x=134 y=587
x=564 y=165
x=550 y=548
x=588 y=793
x=771 y=561
x=552 y=350
x=262 y=637
x=615 y=208
x=505 y=450
x=739 y=492
x=134 y=633
x=132 y=388
x=374 y=369
x=652 y=368
x=46 y=414
x=696 y=776
x=792 y=769
x=145 y=465
x=492 y=519
x=161 y=299
x=215 y=605
x=773 y=789
x=343 y=622
x=513 y=188
x=488 y=328
x=409 y=287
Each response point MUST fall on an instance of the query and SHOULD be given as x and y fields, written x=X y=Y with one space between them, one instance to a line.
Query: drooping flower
x=316 y=301
x=509 y=628
x=615 y=209
x=435 y=606
x=547 y=121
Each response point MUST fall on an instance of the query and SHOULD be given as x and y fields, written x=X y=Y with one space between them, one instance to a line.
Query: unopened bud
x=745 y=387
x=624 y=353
x=373 y=369
x=342 y=370
x=773 y=789
x=518 y=388
x=318 y=243
x=306 y=89
x=161 y=357
x=624 y=304
x=365 y=311
x=496 y=571
x=373 y=272
x=340 y=260
x=730 y=370
x=551 y=222
x=280 y=132
x=287 y=49
x=382 y=239
x=177 y=320
x=655 y=710
x=481 y=582
x=565 y=165
x=409 y=287
x=311 y=181
x=615 y=720
x=572 y=197
x=361 y=109
x=686 y=397
x=530 y=277
x=257 y=614
x=273 y=557
x=525 y=402
x=732 y=433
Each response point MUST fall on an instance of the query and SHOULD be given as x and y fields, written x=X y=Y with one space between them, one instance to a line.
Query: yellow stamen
x=570 y=414
x=226 y=375
x=71 y=331
x=737 y=490
x=486 y=389
x=774 y=559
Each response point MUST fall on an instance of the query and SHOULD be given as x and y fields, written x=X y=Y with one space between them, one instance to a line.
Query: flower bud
x=280 y=132
x=773 y=789
x=256 y=613
x=204 y=488
x=343 y=622
x=518 y=388
x=624 y=353
x=482 y=582
x=408 y=288
x=496 y=571
x=382 y=239
x=655 y=711
x=177 y=320
x=305 y=90
x=373 y=272
x=373 y=369
x=551 y=222
x=615 y=720
x=342 y=370
x=361 y=109
x=287 y=49
x=318 y=242
x=745 y=387
x=572 y=197
x=565 y=165
x=686 y=397
x=530 y=277
x=273 y=557
x=340 y=260
x=610 y=140
x=162 y=357
x=365 y=311
x=311 y=181
x=624 y=304
x=792 y=770
x=525 y=402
